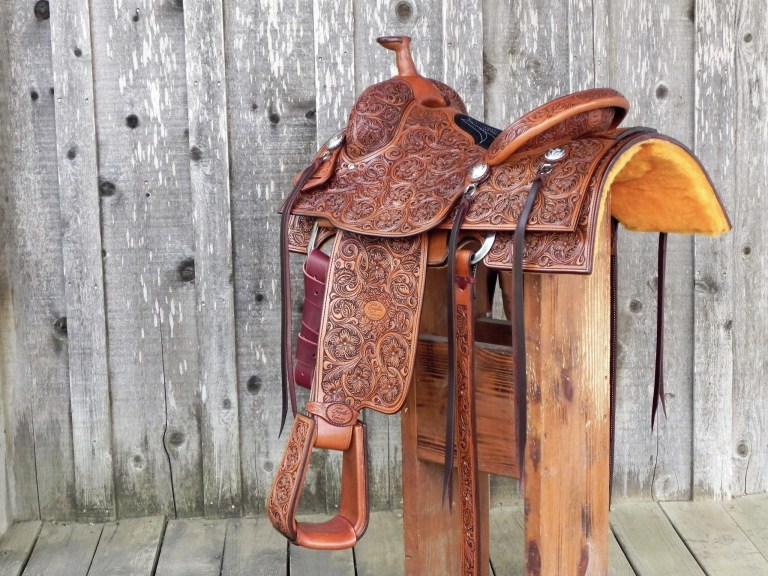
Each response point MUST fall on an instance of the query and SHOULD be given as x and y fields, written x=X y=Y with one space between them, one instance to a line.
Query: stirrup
x=343 y=530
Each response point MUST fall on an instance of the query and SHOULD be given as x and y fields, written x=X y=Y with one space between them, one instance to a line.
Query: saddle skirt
x=409 y=180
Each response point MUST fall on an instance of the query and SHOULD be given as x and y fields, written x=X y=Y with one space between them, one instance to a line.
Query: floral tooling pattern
x=371 y=321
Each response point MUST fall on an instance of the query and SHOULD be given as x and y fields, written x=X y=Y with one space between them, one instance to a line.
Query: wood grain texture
x=463 y=52
x=81 y=249
x=192 y=547
x=271 y=99
x=144 y=185
x=618 y=565
x=566 y=468
x=64 y=550
x=129 y=547
x=714 y=294
x=714 y=538
x=495 y=405
x=37 y=397
x=254 y=548
x=748 y=244
x=214 y=276
x=16 y=545
x=649 y=541
x=658 y=463
x=526 y=51
x=8 y=335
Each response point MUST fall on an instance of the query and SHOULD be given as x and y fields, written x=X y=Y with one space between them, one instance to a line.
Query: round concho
x=339 y=414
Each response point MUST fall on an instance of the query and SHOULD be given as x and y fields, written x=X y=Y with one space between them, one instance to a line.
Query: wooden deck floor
x=729 y=539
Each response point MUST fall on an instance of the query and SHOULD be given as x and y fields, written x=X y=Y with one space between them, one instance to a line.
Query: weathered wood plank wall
x=146 y=145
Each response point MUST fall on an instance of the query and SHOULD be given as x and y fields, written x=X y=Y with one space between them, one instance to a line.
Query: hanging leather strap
x=453 y=239
x=658 y=383
x=286 y=350
x=518 y=318
x=466 y=418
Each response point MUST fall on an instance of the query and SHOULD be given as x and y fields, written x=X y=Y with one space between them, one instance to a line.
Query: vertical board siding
x=144 y=186
x=81 y=249
x=716 y=286
x=271 y=99
x=209 y=158
x=654 y=70
x=40 y=464
x=149 y=146
x=749 y=255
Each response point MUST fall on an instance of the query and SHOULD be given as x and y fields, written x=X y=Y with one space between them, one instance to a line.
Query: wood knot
x=132 y=121
x=42 y=10
x=106 y=188
x=186 y=270
x=60 y=327
x=254 y=384
x=177 y=438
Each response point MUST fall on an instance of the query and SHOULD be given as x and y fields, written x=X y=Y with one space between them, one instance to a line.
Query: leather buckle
x=345 y=528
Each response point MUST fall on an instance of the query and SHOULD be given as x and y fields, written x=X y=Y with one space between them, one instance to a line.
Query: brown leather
x=567 y=117
x=344 y=529
x=466 y=418
x=405 y=191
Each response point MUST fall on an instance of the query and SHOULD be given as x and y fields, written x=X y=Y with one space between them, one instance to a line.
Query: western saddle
x=414 y=183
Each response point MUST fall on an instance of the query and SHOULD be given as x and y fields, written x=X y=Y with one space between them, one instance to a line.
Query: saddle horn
x=423 y=89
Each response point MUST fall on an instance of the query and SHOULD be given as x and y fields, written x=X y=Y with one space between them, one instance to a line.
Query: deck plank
x=650 y=543
x=381 y=550
x=715 y=539
x=129 y=547
x=64 y=549
x=751 y=514
x=192 y=547
x=618 y=565
x=16 y=546
x=254 y=548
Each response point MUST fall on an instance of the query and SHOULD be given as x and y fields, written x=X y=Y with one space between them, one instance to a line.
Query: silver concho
x=335 y=141
x=554 y=154
x=478 y=171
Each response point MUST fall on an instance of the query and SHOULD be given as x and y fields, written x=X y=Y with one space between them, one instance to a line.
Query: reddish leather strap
x=286 y=350
x=315 y=276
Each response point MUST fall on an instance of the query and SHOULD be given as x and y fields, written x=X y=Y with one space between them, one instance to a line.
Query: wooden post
x=567 y=456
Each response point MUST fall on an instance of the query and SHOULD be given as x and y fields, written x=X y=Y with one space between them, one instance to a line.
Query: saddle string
x=658 y=383
x=286 y=355
x=518 y=318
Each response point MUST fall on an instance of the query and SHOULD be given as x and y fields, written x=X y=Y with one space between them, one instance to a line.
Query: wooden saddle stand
x=423 y=204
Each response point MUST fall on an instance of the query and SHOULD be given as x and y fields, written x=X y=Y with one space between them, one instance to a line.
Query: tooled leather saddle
x=413 y=182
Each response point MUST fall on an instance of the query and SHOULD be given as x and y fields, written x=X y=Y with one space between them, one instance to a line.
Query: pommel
x=401 y=46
